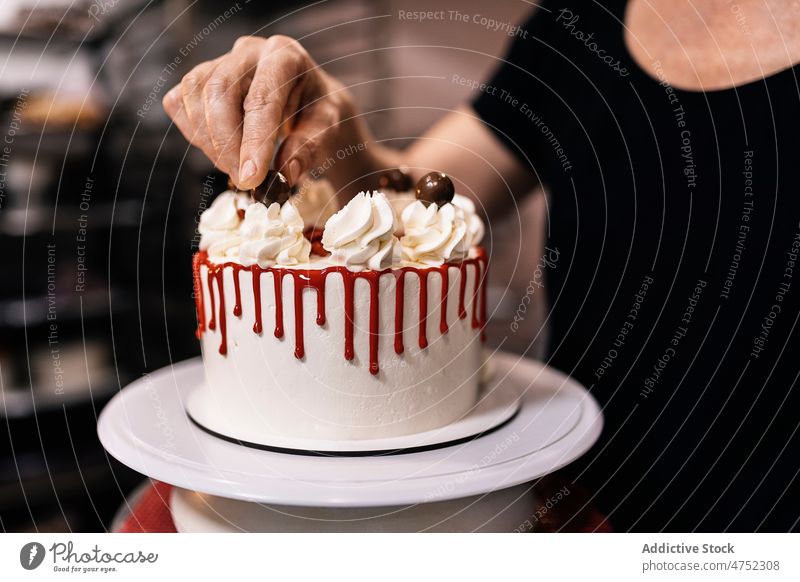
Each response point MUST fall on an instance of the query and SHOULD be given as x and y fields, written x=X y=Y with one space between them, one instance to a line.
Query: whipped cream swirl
x=399 y=202
x=474 y=223
x=219 y=223
x=272 y=236
x=434 y=234
x=361 y=235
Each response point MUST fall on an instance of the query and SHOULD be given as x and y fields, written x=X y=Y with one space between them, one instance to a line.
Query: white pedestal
x=480 y=484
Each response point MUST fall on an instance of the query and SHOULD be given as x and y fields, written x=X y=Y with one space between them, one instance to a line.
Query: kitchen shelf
x=22 y=403
x=29 y=221
x=32 y=311
x=89 y=31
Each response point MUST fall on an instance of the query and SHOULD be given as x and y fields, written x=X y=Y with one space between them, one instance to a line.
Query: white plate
x=499 y=401
x=146 y=428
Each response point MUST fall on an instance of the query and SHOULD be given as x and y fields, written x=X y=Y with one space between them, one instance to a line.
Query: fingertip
x=233 y=174
x=248 y=173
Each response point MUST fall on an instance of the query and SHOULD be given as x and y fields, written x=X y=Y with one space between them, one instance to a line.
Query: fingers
x=233 y=108
x=223 y=94
x=313 y=134
x=173 y=105
x=192 y=86
x=278 y=73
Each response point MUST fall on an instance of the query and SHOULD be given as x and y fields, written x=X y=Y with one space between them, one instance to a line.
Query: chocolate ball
x=274 y=188
x=395 y=179
x=435 y=187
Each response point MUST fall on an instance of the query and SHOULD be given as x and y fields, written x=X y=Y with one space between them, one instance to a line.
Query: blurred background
x=99 y=199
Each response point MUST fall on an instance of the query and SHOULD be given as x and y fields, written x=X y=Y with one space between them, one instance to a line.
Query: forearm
x=459 y=145
x=359 y=159
x=483 y=168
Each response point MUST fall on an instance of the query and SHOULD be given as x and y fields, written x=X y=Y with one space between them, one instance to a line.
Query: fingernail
x=248 y=171
x=294 y=171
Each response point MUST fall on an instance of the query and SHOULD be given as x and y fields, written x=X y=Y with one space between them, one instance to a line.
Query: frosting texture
x=434 y=235
x=474 y=222
x=272 y=236
x=221 y=221
x=361 y=235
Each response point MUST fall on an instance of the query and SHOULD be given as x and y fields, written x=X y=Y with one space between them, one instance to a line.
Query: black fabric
x=647 y=185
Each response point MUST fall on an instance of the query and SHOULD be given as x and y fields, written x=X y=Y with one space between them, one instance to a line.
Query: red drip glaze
x=445 y=273
x=277 y=277
x=299 y=342
x=475 y=297
x=399 y=306
x=462 y=312
x=305 y=279
x=212 y=323
x=257 y=327
x=315 y=279
x=198 y=296
x=321 y=302
x=423 y=307
x=223 y=331
x=314 y=236
x=349 y=315
x=237 y=306
x=373 y=277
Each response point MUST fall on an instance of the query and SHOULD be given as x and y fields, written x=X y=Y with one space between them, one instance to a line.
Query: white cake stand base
x=499 y=511
x=477 y=485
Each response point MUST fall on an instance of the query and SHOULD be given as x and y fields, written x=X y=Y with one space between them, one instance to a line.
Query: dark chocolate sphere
x=274 y=188
x=435 y=187
x=395 y=179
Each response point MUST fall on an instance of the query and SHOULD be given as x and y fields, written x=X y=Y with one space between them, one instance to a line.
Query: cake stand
x=471 y=484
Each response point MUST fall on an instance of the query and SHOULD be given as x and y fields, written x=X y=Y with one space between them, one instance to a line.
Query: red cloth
x=561 y=506
x=151 y=512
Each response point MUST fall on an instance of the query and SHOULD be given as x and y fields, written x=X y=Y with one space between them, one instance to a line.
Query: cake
x=370 y=329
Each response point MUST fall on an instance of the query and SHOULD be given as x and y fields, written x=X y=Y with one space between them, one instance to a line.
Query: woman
x=664 y=134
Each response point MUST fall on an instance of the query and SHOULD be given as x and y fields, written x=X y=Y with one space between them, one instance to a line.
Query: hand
x=234 y=108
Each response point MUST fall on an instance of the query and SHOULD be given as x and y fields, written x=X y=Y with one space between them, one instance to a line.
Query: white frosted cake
x=372 y=331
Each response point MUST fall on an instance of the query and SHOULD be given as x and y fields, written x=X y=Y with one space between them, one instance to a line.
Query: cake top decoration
x=361 y=235
x=435 y=187
x=274 y=188
x=434 y=234
x=266 y=226
x=273 y=235
x=395 y=179
x=221 y=220
x=474 y=222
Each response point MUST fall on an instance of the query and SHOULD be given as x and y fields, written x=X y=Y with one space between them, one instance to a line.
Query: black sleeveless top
x=675 y=219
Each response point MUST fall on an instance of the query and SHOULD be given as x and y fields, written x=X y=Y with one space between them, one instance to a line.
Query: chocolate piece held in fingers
x=435 y=187
x=395 y=179
x=274 y=188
